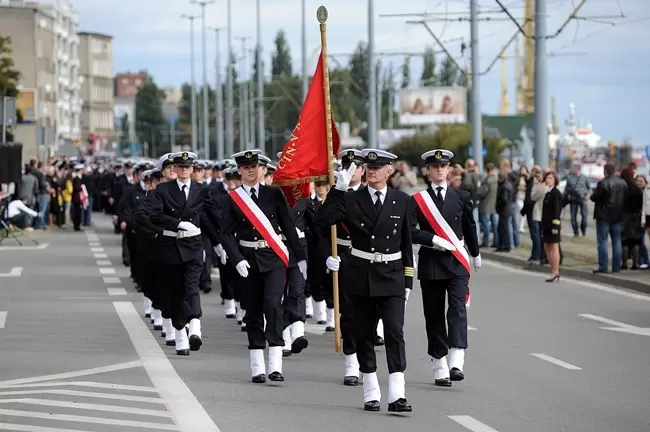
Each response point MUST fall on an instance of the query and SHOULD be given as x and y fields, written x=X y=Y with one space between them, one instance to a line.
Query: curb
x=612 y=281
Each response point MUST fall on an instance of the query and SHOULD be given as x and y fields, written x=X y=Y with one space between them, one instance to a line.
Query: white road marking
x=111 y=280
x=25 y=248
x=89 y=384
x=14 y=272
x=30 y=428
x=97 y=249
x=95 y=244
x=112 y=396
x=3 y=319
x=470 y=328
x=73 y=374
x=618 y=326
x=100 y=255
x=87 y=406
x=188 y=412
x=572 y=281
x=555 y=361
x=104 y=262
x=471 y=423
x=93 y=237
x=104 y=270
x=316 y=329
x=116 y=291
x=85 y=419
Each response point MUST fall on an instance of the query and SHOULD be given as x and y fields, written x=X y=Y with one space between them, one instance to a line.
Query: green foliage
x=149 y=117
x=125 y=132
x=9 y=75
x=448 y=75
x=454 y=137
x=281 y=58
x=406 y=72
x=429 y=77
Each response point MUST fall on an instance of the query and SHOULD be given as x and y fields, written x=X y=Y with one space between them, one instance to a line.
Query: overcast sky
x=607 y=78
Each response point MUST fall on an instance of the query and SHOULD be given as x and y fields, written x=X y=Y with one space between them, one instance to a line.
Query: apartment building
x=127 y=83
x=96 y=57
x=44 y=45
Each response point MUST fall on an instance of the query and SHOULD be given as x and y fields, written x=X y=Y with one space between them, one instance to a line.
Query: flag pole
x=321 y=15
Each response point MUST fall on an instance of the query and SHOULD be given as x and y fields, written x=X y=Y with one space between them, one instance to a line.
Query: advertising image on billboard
x=26 y=103
x=433 y=105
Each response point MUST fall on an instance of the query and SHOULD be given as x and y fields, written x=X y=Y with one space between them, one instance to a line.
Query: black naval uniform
x=379 y=287
x=441 y=273
x=131 y=199
x=183 y=256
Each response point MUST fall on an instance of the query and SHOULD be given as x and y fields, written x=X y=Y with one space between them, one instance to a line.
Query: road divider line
x=3 y=319
x=100 y=255
x=555 y=361
x=189 y=414
x=97 y=249
x=111 y=280
x=104 y=262
x=605 y=321
x=95 y=244
x=87 y=406
x=14 y=272
x=116 y=291
x=25 y=248
x=89 y=384
x=107 y=270
x=73 y=374
x=469 y=422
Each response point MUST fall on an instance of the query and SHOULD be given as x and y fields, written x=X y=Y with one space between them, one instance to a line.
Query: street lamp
x=191 y=19
x=206 y=124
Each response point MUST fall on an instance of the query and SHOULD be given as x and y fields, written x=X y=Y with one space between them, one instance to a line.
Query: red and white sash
x=256 y=216
x=442 y=229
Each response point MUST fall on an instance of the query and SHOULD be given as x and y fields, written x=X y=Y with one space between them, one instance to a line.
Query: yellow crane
x=505 y=104
x=525 y=70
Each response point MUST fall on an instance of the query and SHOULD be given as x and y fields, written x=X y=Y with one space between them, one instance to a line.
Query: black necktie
x=183 y=188
x=254 y=195
x=440 y=200
x=378 y=202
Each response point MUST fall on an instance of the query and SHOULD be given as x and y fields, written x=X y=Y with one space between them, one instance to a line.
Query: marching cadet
x=263 y=167
x=378 y=219
x=198 y=175
x=184 y=209
x=217 y=184
x=268 y=177
x=347 y=276
x=315 y=268
x=446 y=227
x=252 y=219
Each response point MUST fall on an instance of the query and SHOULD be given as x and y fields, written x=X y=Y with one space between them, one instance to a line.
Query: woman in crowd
x=537 y=194
x=632 y=229
x=642 y=183
x=521 y=197
x=551 y=215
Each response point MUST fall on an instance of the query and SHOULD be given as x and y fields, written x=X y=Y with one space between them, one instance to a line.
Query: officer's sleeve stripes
x=556 y=222
x=408 y=271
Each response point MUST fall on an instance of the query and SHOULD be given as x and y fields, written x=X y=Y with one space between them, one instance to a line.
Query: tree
x=9 y=76
x=256 y=56
x=125 y=132
x=448 y=75
x=281 y=57
x=149 y=117
x=428 y=77
x=406 y=72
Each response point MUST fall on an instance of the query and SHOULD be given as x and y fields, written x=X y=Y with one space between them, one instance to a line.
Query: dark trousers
x=134 y=255
x=582 y=207
x=294 y=298
x=182 y=291
x=324 y=290
x=19 y=220
x=206 y=273
x=504 y=232
x=150 y=281
x=76 y=211
x=262 y=294
x=345 y=308
x=126 y=256
x=439 y=339
x=391 y=310
x=230 y=282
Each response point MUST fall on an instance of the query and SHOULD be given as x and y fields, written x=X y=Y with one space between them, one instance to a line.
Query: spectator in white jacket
x=17 y=212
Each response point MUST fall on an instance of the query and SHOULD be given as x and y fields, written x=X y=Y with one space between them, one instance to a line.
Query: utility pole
x=230 y=126
x=260 y=81
x=206 y=96
x=380 y=92
x=541 y=86
x=372 y=79
x=243 y=95
x=475 y=90
x=391 y=101
x=251 y=108
x=303 y=34
x=219 y=97
x=191 y=18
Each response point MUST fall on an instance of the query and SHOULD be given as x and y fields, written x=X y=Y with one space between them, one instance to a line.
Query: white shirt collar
x=248 y=188
x=383 y=191
x=181 y=184
x=355 y=187
x=207 y=180
x=143 y=186
x=443 y=186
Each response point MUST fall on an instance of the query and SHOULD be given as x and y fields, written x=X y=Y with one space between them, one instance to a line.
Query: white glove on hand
x=477 y=262
x=333 y=264
x=242 y=268
x=407 y=293
x=218 y=249
x=344 y=178
x=302 y=266
x=442 y=243
x=223 y=257
x=187 y=226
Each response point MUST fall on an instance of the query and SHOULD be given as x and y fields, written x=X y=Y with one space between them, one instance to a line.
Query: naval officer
x=252 y=221
x=381 y=257
x=446 y=228
x=184 y=209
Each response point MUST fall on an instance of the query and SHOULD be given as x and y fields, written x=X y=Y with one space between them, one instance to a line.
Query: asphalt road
x=571 y=357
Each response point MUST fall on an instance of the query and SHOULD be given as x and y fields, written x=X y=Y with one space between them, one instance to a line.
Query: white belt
x=376 y=257
x=181 y=234
x=343 y=242
x=300 y=235
x=254 y=244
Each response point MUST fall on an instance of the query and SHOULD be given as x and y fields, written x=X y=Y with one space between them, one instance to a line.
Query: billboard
x=432 y=105
x=26 y=103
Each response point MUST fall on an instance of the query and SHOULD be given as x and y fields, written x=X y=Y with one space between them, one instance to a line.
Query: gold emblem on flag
x=248 y=155
x=372 y=156
x=438 y=155
x=185 y=156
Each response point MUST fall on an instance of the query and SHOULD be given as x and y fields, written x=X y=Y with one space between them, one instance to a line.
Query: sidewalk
x=579 y=261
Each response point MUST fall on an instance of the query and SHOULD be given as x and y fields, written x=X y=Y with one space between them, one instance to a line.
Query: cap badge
x=438 y=155
x=372 y=156
x=185 y=156
x=248 y=155
x=351 y=154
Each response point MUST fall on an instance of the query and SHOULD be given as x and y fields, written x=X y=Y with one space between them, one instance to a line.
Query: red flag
x=304 y=158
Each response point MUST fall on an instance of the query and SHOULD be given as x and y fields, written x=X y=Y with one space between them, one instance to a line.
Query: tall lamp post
x=206 y=114
x=191 y=19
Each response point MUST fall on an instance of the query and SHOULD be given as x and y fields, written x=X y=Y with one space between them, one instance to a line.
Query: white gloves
x=221 y=253
x=224 y=257
x=302 y=266
x=477 y=262
x=442 y=244
x=407 y=293
x=188 y=226
x=218 y=249
x=344 y=178
x=333 y=264
x=242 y=268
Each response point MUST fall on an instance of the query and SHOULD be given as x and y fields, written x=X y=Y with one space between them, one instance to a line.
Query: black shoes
x=400 y=405
x=299 y=344
x=276 y=377
x=371 y=406
x=456 y=374
x=351 y=381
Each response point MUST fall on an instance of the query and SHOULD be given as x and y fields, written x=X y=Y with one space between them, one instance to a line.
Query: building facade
x=96 y=58
x=44 y=48
x=127 y=83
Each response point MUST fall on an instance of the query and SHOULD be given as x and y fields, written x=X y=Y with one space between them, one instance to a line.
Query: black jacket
x=609 y=198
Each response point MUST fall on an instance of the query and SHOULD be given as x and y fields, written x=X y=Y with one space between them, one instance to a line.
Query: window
x=125 y=81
